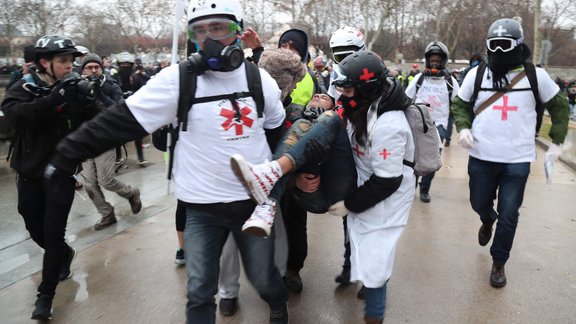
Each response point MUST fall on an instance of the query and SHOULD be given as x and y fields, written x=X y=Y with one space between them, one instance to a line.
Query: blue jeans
x=337 y=172
x=426 y=181
x=449 y=127
x=508 y=181
x=207 y=227
x=375 y=304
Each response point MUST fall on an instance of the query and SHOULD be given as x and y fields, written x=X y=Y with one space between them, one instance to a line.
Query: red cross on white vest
x=385 y=154
x=505 y=108
x=356 y=150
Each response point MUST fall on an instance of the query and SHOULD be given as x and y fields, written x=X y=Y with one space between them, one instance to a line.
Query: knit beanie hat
x=283 y=66
x=298 y=39
x=91 y=58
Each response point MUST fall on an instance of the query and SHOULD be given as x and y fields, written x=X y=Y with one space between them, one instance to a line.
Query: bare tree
x=43 y=17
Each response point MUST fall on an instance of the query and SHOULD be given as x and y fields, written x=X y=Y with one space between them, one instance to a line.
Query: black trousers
x=295 y=221
x=45 y=206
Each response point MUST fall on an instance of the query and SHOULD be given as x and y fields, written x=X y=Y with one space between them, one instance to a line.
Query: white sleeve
x=455 y=88
x=547 y=88
x=156 y=103
x=411 y=89
x=467 y=89
x=387 y=148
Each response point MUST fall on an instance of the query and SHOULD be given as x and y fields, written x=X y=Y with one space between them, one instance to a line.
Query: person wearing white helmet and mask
x=216 y=203
x=344 y=41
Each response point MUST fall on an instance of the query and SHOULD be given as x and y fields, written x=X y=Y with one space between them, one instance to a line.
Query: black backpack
x=186 y=99
x=532 y=79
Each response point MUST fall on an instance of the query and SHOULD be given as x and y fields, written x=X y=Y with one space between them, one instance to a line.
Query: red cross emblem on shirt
x=237 y=123
x=385 y=153
x=434 y=103
x=505 y=108
x=367 y=75
x=356 y=150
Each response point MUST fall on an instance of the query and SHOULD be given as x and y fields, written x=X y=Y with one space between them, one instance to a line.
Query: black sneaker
x=344 y=277
x=279 y=315
x=179 y=260
x=43 y=309
x=65 y=272
x=228 y=306
x=135 y=202
x=293 y=281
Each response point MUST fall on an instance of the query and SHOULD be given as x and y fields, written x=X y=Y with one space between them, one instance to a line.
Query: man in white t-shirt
x=216 y=203
x=436 y=88
x=500 y=138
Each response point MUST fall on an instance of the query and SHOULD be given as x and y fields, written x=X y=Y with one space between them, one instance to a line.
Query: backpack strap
x=533 y=80
x=255 y=86
x=478 y=83
x=449 y=85
x=187 y=93
x=419 y=84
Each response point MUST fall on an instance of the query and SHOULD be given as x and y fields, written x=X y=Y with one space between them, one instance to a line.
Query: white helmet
x=201 y=8
x=347 y=36
x=345 y=41
x=124 y=57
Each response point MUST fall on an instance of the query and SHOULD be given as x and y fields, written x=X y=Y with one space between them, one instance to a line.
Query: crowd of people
x=259 y=142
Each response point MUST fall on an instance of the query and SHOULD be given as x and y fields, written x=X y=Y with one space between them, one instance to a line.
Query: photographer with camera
x=42 y=110
x=101 y=170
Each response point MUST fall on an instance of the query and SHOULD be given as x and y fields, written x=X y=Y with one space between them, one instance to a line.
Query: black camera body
x=87 y=88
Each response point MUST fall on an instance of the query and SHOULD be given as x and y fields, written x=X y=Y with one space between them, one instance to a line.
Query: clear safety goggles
x=505 y=44
x=216 y=29
x=339 y=56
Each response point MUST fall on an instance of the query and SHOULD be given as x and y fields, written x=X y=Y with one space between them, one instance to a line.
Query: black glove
x=60 y=94
x=315 y=152
x=52 y=172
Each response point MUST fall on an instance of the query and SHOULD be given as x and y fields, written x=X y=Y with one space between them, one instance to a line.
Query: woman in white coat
x=382 y=142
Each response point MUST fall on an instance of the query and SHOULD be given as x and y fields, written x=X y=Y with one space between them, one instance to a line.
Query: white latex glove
x=338 y=209
x=555 y=151
x=465 y=138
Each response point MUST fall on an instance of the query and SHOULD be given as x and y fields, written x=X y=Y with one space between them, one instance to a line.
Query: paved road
x=125 y=274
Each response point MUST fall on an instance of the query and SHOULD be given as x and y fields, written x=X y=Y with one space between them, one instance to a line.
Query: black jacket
x=38 y=125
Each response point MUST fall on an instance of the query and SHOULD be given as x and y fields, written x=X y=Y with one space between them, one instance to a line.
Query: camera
x=85 y=87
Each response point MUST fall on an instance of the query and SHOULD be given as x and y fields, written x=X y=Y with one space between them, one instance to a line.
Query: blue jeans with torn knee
x=505 y=181
x=207 y=227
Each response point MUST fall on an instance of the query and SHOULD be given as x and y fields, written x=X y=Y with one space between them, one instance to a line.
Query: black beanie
x=29 y=53
x=91 y=58
x=299 y=40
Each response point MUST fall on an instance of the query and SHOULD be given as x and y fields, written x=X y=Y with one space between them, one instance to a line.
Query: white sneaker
x=261 y=220
x=258 y=180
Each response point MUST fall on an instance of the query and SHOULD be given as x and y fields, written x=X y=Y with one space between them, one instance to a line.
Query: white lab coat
x=374 y=233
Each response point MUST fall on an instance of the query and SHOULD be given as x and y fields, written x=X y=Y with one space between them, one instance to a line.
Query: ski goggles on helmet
x=339 y=79
x=339 y=56
x=216 y=29
x=505 y=44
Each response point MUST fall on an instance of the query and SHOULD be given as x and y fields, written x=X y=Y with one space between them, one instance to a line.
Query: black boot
x=43 y=310
x=293 y=281
x=69 y=256
x=497 y=276
x=344 y=277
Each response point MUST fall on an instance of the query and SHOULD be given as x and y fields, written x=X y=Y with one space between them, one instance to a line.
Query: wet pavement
x=126 y=274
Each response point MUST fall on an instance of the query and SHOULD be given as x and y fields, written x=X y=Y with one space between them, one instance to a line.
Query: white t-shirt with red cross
x=504 y=131
x=202 y=172
x=434 y=92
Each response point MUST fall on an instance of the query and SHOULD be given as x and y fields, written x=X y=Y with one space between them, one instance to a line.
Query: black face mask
x=217 y=57
x=500 y=63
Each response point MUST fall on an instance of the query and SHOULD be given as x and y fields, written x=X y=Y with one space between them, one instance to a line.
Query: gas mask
x=217 y=57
